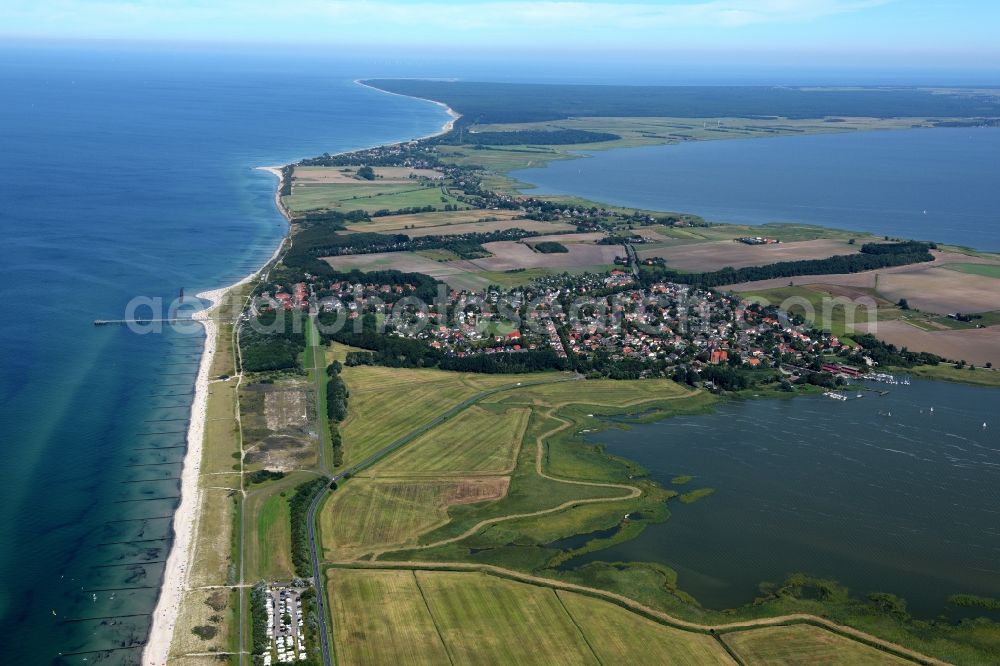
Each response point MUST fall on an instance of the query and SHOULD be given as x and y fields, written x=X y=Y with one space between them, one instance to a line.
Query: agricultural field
x=476 y=441
x=488 y=620
x=513 y=263
x=622 y=637
x=929 y=287
x=984 y=269
x=838 y=309
x=387 y=403
x=307 y=174
x=381 y=617
x=390 y=616
x=607 y=393
x=511 y=255
x=389 y=514
x=370 y=196
x=974 y=345
x=454 y=222
x=804 y=644
x=715 y=255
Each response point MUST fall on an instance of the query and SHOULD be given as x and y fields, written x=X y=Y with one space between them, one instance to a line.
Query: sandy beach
x=447 y=127
x=186 y=518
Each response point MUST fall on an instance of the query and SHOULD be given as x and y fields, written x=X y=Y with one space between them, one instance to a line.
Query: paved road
x=368 y=462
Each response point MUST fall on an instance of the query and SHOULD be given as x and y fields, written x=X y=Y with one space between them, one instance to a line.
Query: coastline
x=448 y=125
x=187 y=516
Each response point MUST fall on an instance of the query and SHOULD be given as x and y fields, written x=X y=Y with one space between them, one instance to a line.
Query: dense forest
x=466 y=246
x=298 y=508
x=336 y=409
x=872 y=256
x=550 y=247
x=560 y=137
x=533 y=102
x=277 y=350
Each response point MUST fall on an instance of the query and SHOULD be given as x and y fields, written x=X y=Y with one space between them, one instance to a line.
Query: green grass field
x=607 y=393
x=476 y=441
x=802 y=645
x=268 y=533
x=380 y=617
x=387 y=403
x=488 y=620
x=619 y=636
x=369 y=197
x=274 y=542
x=375 y=514
x=427 y=617
x=987 y=270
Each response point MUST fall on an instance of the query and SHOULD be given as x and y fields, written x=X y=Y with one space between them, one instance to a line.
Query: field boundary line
x=633 y=491
x=423 y=597
x=653 y=614
x=583 y=634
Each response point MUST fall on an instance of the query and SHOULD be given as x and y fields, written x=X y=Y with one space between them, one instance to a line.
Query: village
x=599 y=321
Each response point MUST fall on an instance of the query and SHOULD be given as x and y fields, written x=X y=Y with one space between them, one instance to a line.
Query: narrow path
x=364 y=464
x=664 y=618
x=633 y=491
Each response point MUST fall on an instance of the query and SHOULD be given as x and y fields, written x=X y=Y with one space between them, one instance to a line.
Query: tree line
x=871 y=257
x=298 y=509
x=336 y=408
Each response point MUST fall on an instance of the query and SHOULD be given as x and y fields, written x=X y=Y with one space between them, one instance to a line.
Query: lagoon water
x=129 y=174
x=879 y=493
x=931 y=184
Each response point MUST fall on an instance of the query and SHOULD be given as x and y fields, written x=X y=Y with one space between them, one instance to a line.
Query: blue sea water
x=931 y=184
x=124 y=174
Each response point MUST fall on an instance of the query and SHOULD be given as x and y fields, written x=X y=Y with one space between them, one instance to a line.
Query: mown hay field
x=387 y=403
x=374 y=514
x=379 y=617
x=394 y=616
x=476 y=441
x=801 y=645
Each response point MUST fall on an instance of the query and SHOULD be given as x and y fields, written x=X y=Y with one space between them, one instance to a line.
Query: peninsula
x=388 y=458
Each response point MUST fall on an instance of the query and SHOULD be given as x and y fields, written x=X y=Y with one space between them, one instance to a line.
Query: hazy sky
x=903 y=32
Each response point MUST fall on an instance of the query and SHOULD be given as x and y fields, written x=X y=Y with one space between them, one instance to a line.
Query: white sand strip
x=187 y=517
